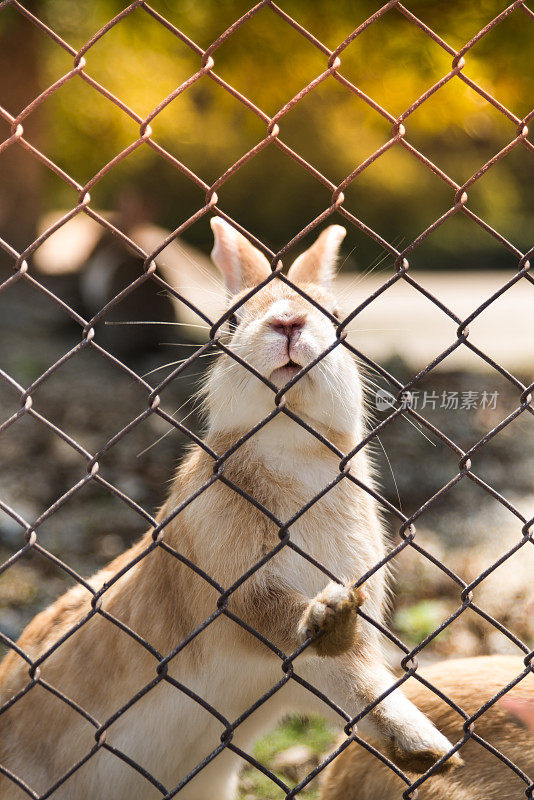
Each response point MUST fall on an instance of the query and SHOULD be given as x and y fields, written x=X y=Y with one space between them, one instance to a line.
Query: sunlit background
x=207 y=129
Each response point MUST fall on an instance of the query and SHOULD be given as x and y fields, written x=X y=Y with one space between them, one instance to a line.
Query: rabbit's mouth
x=281 y=375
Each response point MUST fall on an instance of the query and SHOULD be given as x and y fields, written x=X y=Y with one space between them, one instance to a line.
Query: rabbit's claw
x=330 y=619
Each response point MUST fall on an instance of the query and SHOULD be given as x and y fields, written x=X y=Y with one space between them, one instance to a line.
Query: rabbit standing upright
x=282 y=466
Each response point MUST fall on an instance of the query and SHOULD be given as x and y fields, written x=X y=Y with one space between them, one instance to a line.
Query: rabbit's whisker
x=199 y=267
x=375 y=263
x=377 y=330
x=379 y=440
x=175 y=363
x=182 y=344
x=368 y=382
x=194 y=400
x=180 y=288
x=346 y=259
x=156 y=322
x=171 y=429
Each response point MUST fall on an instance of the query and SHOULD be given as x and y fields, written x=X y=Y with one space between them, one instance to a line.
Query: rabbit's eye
x=336 y=313
x=232 y=322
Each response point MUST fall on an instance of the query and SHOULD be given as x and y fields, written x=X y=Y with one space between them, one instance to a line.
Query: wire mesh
x=22 y=273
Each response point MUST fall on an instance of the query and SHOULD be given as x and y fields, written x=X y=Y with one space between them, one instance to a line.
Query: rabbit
x=469 y=682
x=288 y=601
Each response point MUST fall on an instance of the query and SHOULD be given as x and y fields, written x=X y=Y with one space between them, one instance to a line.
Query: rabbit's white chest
x=330 y=531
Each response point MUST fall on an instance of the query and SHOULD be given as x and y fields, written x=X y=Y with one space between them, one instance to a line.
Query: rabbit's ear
x=318 y=263
x=242 y=265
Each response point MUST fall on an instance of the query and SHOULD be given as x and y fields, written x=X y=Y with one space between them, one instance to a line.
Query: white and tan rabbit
x=159 y=598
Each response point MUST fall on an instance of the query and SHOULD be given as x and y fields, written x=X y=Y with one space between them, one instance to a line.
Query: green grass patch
x=313 y=732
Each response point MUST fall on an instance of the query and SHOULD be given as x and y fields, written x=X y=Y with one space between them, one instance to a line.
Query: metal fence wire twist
x=459 y=204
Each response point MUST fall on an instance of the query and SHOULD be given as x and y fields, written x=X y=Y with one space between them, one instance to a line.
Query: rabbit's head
x=279 y=332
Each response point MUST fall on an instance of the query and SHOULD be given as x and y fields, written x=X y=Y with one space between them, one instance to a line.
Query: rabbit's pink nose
x=289 y=327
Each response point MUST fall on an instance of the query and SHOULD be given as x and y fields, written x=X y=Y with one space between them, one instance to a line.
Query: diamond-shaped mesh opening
x=435 y=246
x=100 y=128
x=476 y=130
x=491 y=73
x=161 y=64
x=394 y=40
x=413 y=196
x=260 y=47
x=504 y=209
x=274 y=173
x=157 y=675
x=175 y=128
x=331 y=107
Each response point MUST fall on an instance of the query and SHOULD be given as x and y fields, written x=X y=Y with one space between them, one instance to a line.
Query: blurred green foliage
x=393 y=61
x=419 y=620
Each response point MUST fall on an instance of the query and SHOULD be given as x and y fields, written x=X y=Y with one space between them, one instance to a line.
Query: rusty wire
x=459 y=205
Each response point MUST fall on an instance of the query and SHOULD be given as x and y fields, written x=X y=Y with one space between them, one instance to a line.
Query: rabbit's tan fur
x=162 y=600
x=357 y=775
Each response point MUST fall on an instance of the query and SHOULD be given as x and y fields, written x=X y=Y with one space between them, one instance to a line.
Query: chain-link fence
x=288 y=663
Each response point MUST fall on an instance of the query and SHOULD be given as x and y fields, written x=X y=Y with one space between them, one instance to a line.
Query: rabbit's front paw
x=331 y=616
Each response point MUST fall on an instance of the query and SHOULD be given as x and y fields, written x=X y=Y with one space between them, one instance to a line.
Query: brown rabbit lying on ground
x=356 y=774
x=162 y=600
